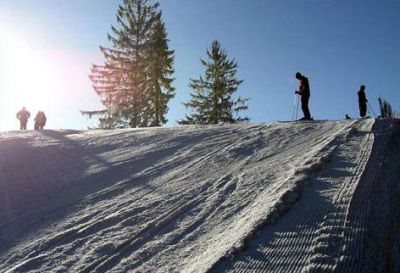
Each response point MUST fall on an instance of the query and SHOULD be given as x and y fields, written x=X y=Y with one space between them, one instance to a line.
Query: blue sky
x=338 y=44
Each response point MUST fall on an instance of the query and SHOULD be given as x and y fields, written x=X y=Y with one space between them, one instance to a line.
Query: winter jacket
x=23 y=115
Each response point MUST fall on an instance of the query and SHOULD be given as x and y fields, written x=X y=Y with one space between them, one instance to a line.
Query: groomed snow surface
x=318 y=196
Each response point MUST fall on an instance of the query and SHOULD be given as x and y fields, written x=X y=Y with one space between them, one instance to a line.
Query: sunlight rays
x=27 y=78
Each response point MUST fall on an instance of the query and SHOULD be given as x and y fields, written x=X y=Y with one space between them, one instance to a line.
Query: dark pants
x=304 y=107
x=22 y=125
x=363 y=108
x=39 y=126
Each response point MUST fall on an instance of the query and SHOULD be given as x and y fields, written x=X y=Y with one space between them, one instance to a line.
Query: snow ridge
x=330 y=238
x=294 y=185
x=346 y=220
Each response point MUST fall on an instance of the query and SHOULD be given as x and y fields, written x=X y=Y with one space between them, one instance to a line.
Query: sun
x=26 y=79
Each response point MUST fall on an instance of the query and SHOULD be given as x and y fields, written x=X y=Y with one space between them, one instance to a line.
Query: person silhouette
x=362 y=101
x=304 y=93
x=23 y=116
x=40 y=120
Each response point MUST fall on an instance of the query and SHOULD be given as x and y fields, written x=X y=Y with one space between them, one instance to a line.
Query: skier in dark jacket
x=362 y=101
x=304 y=93
x=40 y=120
x=23 y=117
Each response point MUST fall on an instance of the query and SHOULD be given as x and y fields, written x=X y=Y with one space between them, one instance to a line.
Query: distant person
x=23 y=116
x=304 y=93
x=40 y=120
x=362 y=101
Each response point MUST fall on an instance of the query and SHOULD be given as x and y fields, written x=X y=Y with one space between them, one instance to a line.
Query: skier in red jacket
x=304 y=93
x=40 y=121
x=23 y=117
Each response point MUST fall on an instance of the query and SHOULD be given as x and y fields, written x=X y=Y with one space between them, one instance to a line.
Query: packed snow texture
x=171 y=199
x=347 y=220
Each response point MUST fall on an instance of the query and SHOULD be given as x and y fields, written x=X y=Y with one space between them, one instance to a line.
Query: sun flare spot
x=27 y=79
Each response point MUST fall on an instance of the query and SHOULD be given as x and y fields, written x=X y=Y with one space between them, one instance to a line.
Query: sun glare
x=27 y=79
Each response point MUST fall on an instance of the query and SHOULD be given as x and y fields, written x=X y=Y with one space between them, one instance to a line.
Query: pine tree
x=160 y=69
x=126 y=81
x=212 y=99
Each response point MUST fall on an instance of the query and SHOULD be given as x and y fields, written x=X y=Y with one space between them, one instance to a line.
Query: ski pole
x=294 y=106
x=370 y=108
x=297 y=107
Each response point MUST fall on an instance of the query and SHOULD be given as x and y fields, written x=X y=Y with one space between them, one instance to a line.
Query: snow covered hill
x=279 y=197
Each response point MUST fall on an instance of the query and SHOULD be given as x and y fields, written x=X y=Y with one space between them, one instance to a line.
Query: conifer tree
x=160 y=69
x=126 y=81
x=212 y=99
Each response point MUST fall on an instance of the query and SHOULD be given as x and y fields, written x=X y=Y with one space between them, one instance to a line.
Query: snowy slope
x=173 y=199
x=347 y=219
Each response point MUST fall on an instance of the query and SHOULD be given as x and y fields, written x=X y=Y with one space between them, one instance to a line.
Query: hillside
x=279 y=197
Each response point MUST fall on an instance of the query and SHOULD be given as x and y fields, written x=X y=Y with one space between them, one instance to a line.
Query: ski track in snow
x=181 y=199
x=326 y=231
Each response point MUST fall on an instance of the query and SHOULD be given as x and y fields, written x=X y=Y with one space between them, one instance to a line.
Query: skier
x=362 y=101
x=40 y=120
x=23 y=116
x=304 y=93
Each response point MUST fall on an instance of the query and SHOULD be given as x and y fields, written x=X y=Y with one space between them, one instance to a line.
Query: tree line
x=135 y=83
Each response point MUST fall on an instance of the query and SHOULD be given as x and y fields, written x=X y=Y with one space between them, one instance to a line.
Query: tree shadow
x=44 y=179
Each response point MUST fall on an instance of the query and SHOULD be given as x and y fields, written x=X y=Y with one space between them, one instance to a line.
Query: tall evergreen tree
x=126 y=81
x=212 y=99
x=160 y=70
